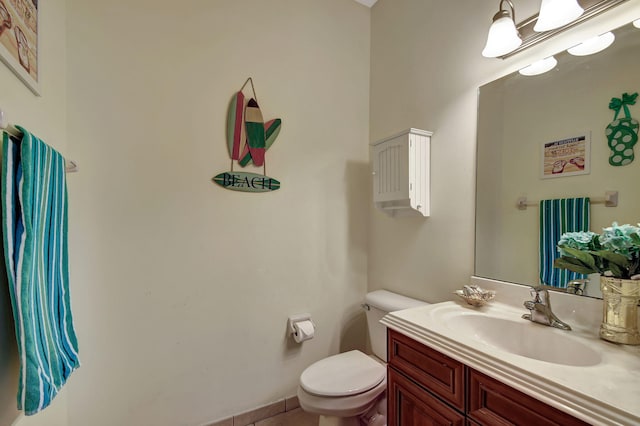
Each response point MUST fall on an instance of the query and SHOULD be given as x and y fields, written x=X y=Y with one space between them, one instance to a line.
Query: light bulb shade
x=557 y=13
x=503 y=38
x=636 y=23
x=539 y=67
x=593 y=45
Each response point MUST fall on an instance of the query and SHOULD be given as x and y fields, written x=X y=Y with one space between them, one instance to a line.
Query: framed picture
x=566 y=157
x=19 y=40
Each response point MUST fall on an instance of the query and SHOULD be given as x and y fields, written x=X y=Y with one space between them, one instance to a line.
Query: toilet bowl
x=343 y=385
x=349 y=389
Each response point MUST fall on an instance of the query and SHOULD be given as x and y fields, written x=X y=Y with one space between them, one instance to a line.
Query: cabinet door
x=391 y=170
x=434 y=371
x=410 y=405
x=494 y=403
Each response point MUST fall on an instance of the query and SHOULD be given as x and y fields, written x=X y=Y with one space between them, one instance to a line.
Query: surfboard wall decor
x=254 y=124
x=271 y=129
x=235 y=125
x=248 y=139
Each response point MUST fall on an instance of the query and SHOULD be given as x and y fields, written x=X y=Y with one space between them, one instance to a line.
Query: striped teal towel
x=556 y=218
x=34 y=208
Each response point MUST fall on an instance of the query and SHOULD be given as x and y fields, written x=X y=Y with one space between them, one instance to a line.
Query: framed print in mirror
x=567 y=157
x=19 y=40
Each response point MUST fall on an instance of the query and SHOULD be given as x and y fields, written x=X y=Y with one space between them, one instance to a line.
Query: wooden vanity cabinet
x=426 y=387
x=412 y=405
x=494 y=403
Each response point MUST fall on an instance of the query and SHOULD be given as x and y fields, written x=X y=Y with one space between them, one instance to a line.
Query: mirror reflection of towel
x=556 y=218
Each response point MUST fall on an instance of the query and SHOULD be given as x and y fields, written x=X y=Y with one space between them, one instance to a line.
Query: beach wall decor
x=248 y=139
x=19 y=40
x=622 y=133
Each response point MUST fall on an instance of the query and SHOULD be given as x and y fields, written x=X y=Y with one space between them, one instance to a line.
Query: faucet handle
x=540 y=308
x=577 y=286
x=539 y=293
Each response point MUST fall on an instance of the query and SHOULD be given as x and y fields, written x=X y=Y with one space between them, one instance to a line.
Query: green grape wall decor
x=622 y=133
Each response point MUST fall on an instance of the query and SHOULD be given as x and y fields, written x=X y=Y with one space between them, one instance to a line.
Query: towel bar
x=70 y=165
x=610 y=200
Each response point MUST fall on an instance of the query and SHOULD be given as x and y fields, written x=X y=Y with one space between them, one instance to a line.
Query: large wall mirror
x=517 y=115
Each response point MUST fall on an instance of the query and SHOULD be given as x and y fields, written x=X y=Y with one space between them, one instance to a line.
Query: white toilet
x=348 y=389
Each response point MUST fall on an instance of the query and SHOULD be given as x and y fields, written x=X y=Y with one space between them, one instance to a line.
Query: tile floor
x=286 y=412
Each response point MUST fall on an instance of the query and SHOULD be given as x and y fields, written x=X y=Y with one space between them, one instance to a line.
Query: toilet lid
x=349 y=373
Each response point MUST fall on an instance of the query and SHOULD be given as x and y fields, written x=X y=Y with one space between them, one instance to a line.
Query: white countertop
x=607 y=393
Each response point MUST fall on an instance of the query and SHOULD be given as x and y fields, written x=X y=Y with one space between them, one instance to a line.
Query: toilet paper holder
x=297 y=318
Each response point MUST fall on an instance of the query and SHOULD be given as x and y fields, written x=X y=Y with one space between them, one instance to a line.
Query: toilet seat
x=345 y=374
x=345 y=406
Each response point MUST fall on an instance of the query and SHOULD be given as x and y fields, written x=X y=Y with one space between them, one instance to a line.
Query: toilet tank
x=378 y=304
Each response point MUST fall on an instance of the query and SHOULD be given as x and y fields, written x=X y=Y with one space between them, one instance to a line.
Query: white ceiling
x=368 y=3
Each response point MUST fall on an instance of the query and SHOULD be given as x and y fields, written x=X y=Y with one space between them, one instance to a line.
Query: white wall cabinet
x=401 y=173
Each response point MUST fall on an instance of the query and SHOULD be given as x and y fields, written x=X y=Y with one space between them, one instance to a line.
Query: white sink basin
x=524 y=338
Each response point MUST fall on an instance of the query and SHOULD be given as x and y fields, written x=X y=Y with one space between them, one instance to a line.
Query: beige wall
x=45 y=116
x=426 y=68
x=182 y=289
x=425 y=74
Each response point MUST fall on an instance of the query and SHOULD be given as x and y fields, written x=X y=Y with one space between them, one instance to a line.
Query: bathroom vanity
x=453 y=364
x=428 y=387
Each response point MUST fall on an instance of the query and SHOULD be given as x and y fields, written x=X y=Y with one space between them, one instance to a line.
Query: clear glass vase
x=620 y=310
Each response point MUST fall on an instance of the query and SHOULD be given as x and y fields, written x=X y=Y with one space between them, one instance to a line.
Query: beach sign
x=248 y=139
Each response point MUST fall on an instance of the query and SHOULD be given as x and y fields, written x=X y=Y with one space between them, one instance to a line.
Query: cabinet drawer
x=440 y=374
x=494 y=403
x=411 y=405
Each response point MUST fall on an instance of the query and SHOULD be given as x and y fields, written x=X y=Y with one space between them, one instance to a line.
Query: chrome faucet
x=540 y=308
x=577 y=286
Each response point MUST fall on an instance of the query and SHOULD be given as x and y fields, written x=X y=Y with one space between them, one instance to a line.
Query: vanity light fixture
x=539 y=67
x=557 y=13
x=555 y=17
x=593 y=45
x=503 y=36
